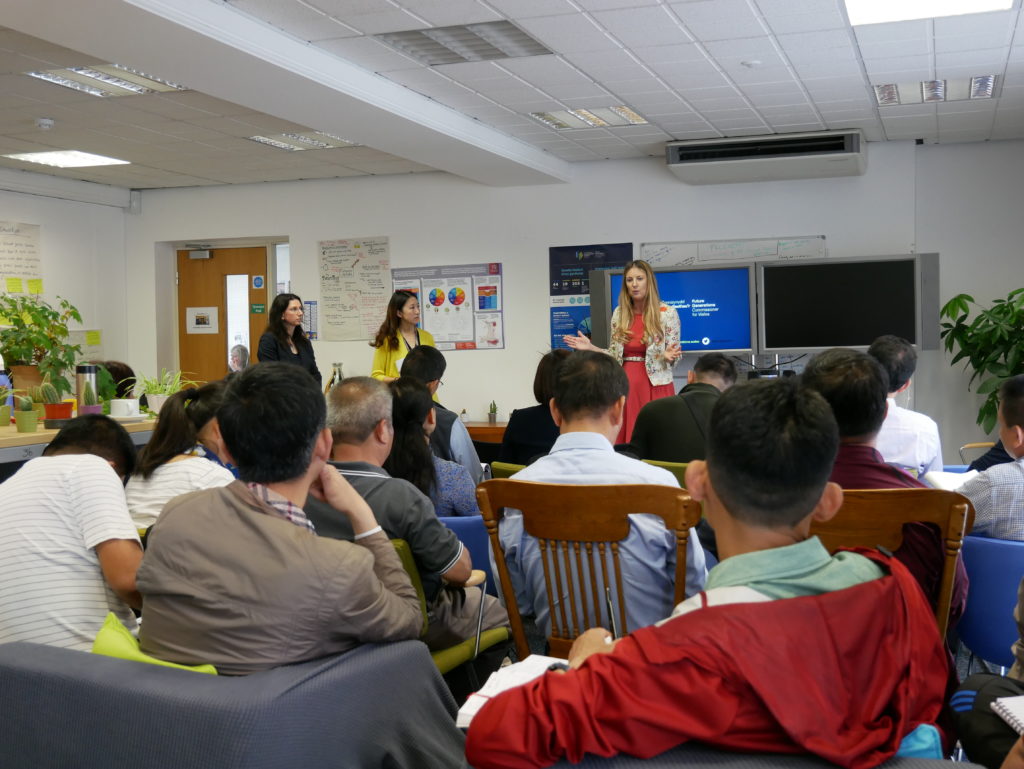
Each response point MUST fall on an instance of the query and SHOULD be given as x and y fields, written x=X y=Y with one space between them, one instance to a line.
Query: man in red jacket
x=837 y=656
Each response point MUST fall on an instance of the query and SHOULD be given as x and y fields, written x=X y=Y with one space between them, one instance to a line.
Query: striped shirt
x=54 y=512
x=147 y=496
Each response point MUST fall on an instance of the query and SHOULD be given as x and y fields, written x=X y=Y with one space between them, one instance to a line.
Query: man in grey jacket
x=236 y=576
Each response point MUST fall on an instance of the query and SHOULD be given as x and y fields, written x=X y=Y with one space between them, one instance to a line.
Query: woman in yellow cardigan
x=397 y=335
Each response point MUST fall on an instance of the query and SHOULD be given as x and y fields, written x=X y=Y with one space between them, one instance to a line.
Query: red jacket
x=842 y=675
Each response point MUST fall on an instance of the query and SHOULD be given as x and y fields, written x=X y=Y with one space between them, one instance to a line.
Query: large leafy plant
x=33 y=332
x=992 y=344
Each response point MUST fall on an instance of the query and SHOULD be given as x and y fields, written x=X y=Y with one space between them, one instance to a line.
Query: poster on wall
x=354 y=287
x=202 y=320
x=460 y=305
x=569 y=285
x=21 y=268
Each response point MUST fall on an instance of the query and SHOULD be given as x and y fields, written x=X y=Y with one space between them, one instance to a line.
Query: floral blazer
x=659 y=371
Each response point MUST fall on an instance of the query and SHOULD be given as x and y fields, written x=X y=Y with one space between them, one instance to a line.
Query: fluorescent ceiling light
x=67 y=159
x=933 y=90
x=879 y=11
x=983 y=86
x=596 y=117
x=887 y=95
x=107 y=80
x=959 y=89
x=308 y=140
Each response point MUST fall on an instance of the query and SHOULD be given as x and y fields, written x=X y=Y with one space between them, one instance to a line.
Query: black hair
x=897 y=356
x=547 y=370
x=182 y=417
x=770 y=449
x=270 y=420
x=387 y=334
x=426 y=363
x=718 y=365
x=855 y=386
x=588 y=383
x=1011 y=401
x=275 y=322
x=99 y=435
x=122 y=379
x=410 y=456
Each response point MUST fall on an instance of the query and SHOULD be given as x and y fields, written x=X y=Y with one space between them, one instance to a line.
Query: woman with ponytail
x=184 y=454
x=446 y=483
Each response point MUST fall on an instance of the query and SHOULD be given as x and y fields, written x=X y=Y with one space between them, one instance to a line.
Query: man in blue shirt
x=589 y=397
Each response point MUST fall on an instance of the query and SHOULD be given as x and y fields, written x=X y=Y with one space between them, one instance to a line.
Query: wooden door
x=203 y=308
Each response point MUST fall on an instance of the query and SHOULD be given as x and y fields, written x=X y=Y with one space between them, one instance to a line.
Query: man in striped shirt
x=68 y=548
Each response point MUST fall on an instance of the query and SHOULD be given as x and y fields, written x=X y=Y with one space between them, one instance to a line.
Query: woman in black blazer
x=531 y=432
x=284 y=339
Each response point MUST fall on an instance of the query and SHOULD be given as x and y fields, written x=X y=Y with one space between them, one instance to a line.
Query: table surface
x=17 y=447
x=486 y=432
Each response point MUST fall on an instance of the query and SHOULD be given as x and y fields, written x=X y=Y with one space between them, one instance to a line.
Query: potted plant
x=90 y=403
x=36 y=394
x=54 y=407
x=25 y=417
x=492 y=413
x=158 y=389
x=34 y=333
x=5 y=409
x=990 y=343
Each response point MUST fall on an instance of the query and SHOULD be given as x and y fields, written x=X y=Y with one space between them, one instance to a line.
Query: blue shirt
x=647 y=555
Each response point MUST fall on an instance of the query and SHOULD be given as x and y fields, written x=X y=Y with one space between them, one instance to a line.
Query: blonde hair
x=652 y=306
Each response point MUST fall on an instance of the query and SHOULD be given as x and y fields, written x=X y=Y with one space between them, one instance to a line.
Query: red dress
x=641 y=391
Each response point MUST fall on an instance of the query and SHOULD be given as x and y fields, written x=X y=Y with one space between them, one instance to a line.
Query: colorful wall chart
x=569 y=269
x=460 y=304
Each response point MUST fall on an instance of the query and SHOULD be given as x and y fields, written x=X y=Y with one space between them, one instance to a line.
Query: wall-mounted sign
x=258 y=281
x=257 y=309
x=201 y=320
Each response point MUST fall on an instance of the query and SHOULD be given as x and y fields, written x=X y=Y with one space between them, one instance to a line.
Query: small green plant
x=493 y=409
x=49 y=393
x=89 y=395
x=5 y=393
x=32 y=332
x=23 y=402
x=168 y=383
x=990 y=343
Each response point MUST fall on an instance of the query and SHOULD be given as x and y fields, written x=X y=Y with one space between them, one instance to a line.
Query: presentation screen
x=813 y=306
x=714 y=306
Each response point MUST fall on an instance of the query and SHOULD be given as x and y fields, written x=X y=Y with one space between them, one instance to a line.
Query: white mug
x=124 y=407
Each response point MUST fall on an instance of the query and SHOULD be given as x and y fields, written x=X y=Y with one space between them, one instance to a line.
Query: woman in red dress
x=644 y=339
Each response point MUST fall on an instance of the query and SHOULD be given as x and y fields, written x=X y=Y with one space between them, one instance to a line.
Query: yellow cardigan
x=386 y=360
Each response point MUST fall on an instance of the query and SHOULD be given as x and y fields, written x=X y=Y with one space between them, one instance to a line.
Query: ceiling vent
x=769 y=158
x=486 y=41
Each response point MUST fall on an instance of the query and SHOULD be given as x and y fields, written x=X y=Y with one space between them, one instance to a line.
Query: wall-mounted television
x=715 y=305
x=810 y=305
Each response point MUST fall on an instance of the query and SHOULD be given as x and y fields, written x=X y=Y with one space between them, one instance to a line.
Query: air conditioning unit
x=769 y=158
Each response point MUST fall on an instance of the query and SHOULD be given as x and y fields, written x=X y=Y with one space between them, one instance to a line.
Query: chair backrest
x=505 y=469
x=578 y=529
x=409 y=564
x=979 y=446
x=472 y=533
x=678 y=469
x=876 y=518
x=995 y=568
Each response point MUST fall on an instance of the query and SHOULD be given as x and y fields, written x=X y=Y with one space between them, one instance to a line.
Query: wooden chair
x=977 y=446
x=578 y=529
x=875 y=519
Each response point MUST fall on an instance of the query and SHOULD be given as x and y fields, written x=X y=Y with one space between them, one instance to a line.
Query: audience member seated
x=986 y=738
x=70 y=549
x=674 y=429
x=183 y=455
x=448 y=484
x=359 y=417
x=531 y=432
x=122 y=379
x=589 y=398
x=855 y=386
x=790 y=650
x=236 y=576
x=908 y=439
x=998 y=493
x=450 y=440
x=994 y=456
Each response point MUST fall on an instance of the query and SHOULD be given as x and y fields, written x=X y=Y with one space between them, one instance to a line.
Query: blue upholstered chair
x=995 y=568
x=472 y=533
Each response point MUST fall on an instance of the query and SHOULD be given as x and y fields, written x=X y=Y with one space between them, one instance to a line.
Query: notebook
x=1011 y=710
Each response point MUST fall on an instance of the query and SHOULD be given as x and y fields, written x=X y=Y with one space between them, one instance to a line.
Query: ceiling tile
x=449 y=12
x=525 y=9
x=544 y=70
x=752 y=77
x=297 y=19
x=643 y=26
x=719 y=20
x=894 y=31
x=992 y=23
x=826 y=68
x=806 y=22
x=605 y=5
x=667 y=54
x=378 y=22
x=992 y=60
x=568 y=34
x=776 y=7
x=367 y=53
x=973 y=42
x=762 y=47
x=810 y=46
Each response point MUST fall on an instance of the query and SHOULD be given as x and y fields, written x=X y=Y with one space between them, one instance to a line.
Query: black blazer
x=531 y=432
x=271 y=349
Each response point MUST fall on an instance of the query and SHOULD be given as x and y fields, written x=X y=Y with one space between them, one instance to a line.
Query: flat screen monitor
x=715 y=305
x=807 y=306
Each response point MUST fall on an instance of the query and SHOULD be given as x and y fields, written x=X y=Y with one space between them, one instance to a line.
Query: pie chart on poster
x=456 y=296
x=436 y=297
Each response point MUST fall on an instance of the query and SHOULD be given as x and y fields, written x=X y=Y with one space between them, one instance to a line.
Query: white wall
x=959 y=200
x=83 y=259
x=440 y=219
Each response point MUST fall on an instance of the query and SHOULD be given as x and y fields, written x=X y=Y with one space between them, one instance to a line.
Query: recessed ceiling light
x=596 y=117
x=933 y=90
x=67 y=159
x=107 y=80
x=309 y=140
x=959 y=89
x=879 y=11
x=983 y=86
